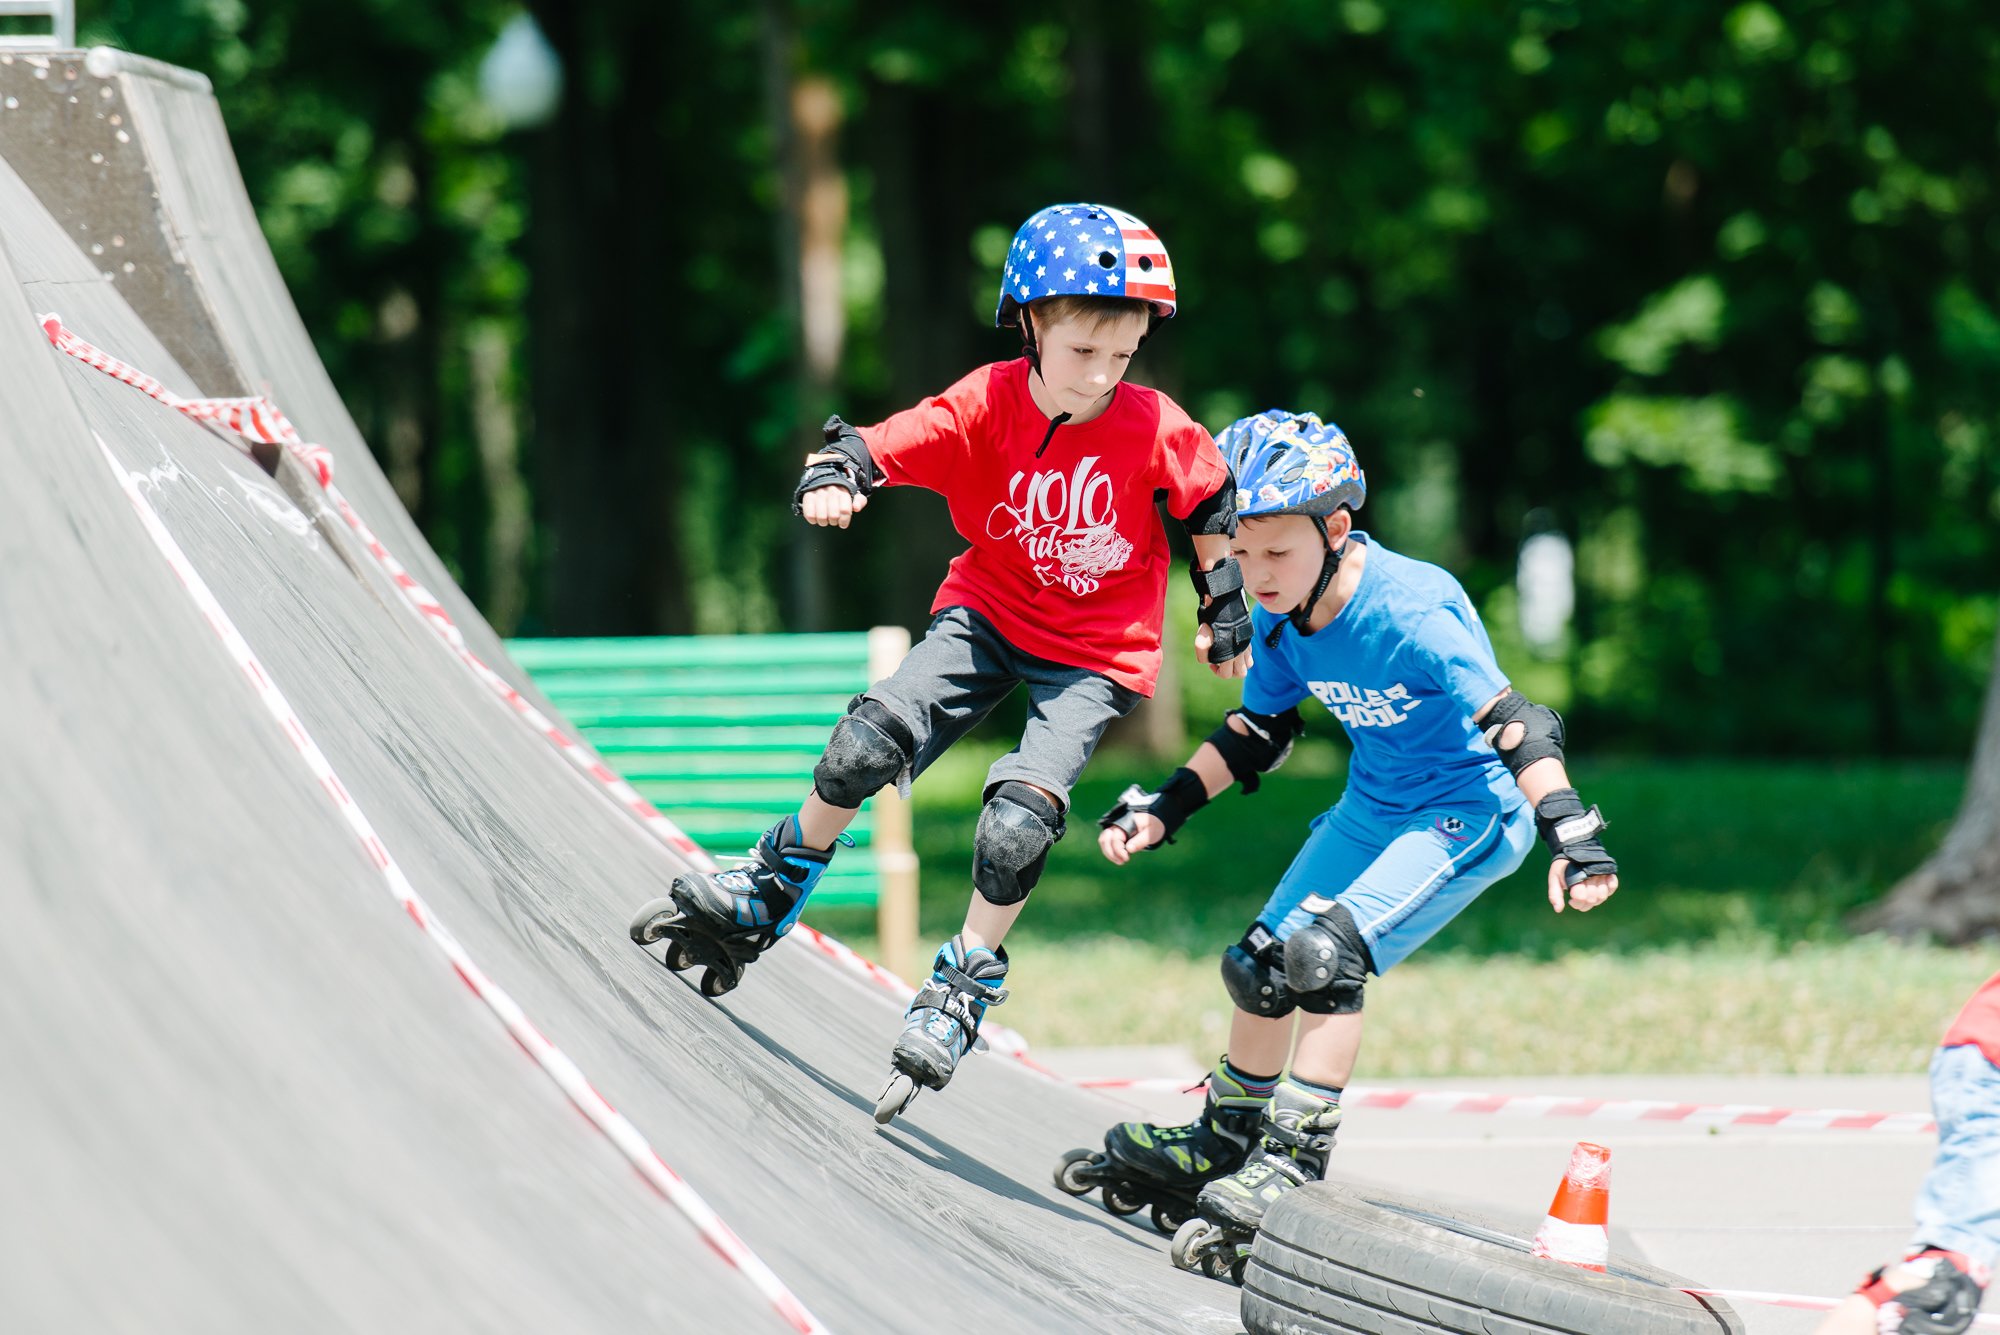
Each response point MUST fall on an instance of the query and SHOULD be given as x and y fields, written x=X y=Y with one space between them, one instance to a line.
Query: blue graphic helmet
x=1294 y=464
x=1085 y=250
x=1291 y=464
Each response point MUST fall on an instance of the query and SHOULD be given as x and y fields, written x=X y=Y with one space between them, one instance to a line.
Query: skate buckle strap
x=1306 y=1133
x=955 y=1003
x=962 y=982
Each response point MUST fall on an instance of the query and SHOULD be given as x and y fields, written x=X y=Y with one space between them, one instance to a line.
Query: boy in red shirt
x=1052 y=468
x=1935 y=1289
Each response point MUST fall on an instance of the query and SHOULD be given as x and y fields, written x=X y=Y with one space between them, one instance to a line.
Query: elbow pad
x=1216 y=515
x=853 y=468
x=1251 y=756
x=1542 y=731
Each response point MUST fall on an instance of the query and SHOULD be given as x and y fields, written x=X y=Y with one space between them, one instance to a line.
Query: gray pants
x=963 y=667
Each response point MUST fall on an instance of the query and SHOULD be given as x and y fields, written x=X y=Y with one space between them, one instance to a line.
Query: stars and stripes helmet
x=1291 y=464
x=1085 y=250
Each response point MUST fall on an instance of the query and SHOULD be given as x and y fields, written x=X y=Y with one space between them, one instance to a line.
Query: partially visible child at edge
x=1937 y=1286
x=1452 y=774
x=1052 y=468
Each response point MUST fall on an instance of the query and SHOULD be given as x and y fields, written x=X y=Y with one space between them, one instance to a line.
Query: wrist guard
x=853 y=468
x=1571 y=831
x=1225 y=613
x=1944 y=1304
x=1171 y=804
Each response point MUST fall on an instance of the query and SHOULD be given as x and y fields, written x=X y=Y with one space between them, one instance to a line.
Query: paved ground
x=1736 y=1208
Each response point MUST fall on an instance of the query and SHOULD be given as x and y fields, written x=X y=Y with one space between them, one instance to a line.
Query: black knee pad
x=1017 y=828
x=1327 y=962
x=868 y=749
x=1253 y=971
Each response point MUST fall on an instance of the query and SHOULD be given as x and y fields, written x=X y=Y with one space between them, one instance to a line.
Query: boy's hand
x=1580 y=864
x=1585 y=895
x=1119 y=846
x=1239 y=666
x=830 y=506
x=1222 y=618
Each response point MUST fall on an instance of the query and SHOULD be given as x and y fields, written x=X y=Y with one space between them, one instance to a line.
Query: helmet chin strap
x=1028 y=348
x=1300 y=617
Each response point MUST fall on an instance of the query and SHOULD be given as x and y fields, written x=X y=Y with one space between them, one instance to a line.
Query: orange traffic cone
x=1577 y=1230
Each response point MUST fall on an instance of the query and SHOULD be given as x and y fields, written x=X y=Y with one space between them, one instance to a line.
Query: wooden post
x=895 y=855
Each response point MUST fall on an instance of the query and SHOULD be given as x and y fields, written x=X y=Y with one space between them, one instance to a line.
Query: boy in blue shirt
x=1452 y=775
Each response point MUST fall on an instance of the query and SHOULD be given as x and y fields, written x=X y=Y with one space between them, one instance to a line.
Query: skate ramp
x=245 y=1091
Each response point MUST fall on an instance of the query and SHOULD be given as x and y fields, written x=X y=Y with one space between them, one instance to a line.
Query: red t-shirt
x=1978 y=1025
x=1068 y=558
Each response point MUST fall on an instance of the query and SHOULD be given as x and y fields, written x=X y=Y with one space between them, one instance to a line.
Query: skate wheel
x=1190 y=1241
x=678 y=957
x=714 y=982
x=1169 y=1218
x=652 y=916
x=896 y=1096
x=1236 y=1269
x=1122 y=1200
x=1073 y=1172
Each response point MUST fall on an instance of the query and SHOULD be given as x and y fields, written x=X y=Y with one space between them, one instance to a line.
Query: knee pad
x=1327 y=961
x=1253 y=971
x=868 y=749
x=1017 y=828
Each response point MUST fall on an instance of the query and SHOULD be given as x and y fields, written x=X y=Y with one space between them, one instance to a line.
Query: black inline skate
x=1165 y=1167
x=724 y=920
x=1297 y=1137
x=942 y=1022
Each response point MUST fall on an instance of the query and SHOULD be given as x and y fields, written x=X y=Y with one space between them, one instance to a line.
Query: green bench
x=720 y=732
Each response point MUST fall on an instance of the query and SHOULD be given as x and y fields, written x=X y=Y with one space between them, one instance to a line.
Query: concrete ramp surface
x=247 y=1090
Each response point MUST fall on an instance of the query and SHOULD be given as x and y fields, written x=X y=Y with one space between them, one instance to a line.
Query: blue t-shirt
x=1404 y=667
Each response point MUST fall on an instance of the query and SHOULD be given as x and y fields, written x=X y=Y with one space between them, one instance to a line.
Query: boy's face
x=1082 y=360
x=1280 y=556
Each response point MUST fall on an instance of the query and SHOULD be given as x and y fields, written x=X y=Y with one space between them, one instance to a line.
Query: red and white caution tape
x=1803 y=1303
x=255 y=418
x=1602 y=1110
x=259 y=420
x=568 y=1077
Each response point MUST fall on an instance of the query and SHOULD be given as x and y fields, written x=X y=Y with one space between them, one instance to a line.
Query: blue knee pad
x=868 y=749
x=1017 y=828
